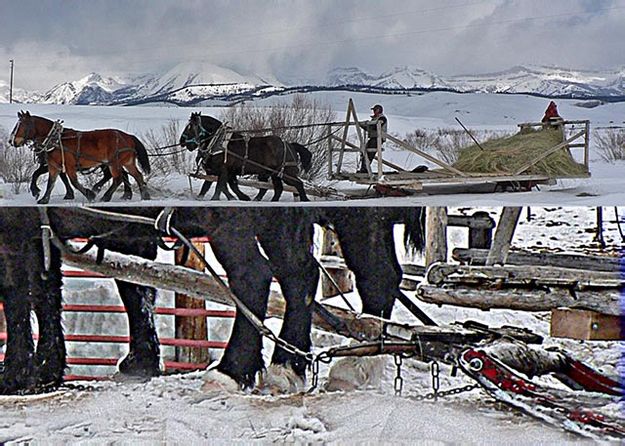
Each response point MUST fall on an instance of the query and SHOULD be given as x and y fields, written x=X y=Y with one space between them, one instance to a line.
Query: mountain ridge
x=196 y=83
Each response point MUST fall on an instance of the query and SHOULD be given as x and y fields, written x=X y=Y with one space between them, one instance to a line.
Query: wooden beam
x=503 y=235
x=594 y=263
x=606 y=301
x=585 y=325
x=427 y=156
x=525 y=276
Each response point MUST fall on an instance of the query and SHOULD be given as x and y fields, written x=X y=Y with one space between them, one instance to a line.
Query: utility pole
x=11 y=83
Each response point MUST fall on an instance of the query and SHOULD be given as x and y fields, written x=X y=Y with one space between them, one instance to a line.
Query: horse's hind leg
x=206 y=185
x=143 y=358
x=292 y=180
x=46 y=292
x=134 y=172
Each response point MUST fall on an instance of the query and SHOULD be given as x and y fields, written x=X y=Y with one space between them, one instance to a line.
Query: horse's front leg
x=53 y=172
x=69 y=192
x=249 y=276
x=117 y=180
x=106 y=176
x=261 y=192
x=50 y=357
x=34 y=190
x=278 y=187
x=88 y=193
x=222 y=181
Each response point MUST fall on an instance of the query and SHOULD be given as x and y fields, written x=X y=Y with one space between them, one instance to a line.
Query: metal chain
x=436 y=392
x=436 y=383
x=398 y=383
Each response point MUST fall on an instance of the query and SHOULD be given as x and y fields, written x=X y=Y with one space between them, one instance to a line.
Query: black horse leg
x=287 y=242
x=34 y=189
x=234 y=185
x=18 y=360
x=369 y=250
x=277 y=187
x=111 y=190
x=69 y=191
x=249 y=277
x=106 y=176
x=88 y=193
x=206 y=185
x=51 y=180
x=261 y=192
x=222 y=181
x=291 y=180
x=50 y=356
x=143 y=358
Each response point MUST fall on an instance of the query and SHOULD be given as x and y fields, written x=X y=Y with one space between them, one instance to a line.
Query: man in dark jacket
x=371 y=127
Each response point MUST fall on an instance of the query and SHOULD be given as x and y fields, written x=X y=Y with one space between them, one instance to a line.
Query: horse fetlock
x=140 y=364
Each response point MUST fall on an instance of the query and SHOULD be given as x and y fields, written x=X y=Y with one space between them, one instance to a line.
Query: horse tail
x=414 y=229
x=305 y=156
x=142 y=155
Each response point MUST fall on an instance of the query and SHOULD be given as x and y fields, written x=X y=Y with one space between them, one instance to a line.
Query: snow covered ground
x=406 y=114
x=182 y=409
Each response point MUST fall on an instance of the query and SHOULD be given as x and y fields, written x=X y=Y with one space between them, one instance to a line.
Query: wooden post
x=191 y=327
x=436 y=235
x=480 y=237
x=503 y=236
x=599 y=229
x=342 y=276
x=586 y=143
x=330 y=151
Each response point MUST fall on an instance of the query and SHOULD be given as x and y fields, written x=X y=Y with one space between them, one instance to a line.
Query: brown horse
x=69 y=151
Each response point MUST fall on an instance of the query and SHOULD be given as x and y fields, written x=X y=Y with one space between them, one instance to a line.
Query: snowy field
x=188 y=408
x=406 y=113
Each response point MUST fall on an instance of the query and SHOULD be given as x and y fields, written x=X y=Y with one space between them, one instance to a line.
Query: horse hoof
x=126 y=197
x=35 y=192
x=145 y=196
x=69 y=197
x=43 y=200
x=90 y=195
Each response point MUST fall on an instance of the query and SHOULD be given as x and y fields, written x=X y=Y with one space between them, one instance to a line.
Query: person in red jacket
x=551 y=114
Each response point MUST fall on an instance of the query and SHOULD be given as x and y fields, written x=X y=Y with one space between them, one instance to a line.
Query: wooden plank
x=427 y=156
x=524 y=276
x=503 y=235
x=436 y=235
x=605 y=301
x=594 y=263
x=547 y=153
x=585 y=325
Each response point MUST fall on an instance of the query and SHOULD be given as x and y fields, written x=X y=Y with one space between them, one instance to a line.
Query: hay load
x=507 y=155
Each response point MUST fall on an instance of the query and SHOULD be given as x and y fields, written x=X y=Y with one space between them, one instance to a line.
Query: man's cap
x=377 y=107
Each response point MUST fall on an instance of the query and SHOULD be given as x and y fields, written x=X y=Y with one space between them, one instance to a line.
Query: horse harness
x=54 y=141
x=223 y=136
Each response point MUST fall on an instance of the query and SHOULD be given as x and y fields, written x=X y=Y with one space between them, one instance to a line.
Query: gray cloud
x=57 y=40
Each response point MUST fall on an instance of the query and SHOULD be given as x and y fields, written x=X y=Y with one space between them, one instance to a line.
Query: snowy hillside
x=193 y=83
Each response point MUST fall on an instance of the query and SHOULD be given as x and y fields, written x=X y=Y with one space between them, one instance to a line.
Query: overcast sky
x=58 y=40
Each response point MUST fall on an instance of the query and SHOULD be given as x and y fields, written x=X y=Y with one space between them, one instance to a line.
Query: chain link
x=398 y=384
x=436 y=383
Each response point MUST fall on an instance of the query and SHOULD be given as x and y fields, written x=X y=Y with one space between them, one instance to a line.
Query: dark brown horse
x=266 y=156
x=70 y=151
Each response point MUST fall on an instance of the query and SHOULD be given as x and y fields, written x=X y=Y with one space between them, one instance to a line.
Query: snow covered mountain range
x=207 y=84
